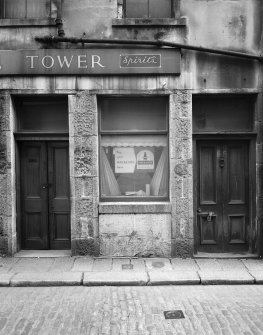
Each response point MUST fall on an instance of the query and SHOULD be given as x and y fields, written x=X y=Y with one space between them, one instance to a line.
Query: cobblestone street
x=131 y=310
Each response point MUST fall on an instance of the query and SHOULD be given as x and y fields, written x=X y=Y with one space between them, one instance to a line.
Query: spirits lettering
x=140 y=61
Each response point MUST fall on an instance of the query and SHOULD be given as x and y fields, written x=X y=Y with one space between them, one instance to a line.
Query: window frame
x=101 y=133
x=27 y=21
x=175 y=10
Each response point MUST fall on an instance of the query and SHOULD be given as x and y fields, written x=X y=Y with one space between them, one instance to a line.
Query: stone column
x=83 y=134
x=7 y=200
x=181 y=173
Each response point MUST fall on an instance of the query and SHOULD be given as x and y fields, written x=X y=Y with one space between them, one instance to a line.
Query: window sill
x=148 y=22
x=134 y=208
x=5 y=23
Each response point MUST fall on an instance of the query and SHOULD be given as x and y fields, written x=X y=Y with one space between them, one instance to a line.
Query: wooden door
x=223 y=196
x=44 y=195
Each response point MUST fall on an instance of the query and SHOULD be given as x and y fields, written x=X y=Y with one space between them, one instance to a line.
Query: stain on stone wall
x=135 y=234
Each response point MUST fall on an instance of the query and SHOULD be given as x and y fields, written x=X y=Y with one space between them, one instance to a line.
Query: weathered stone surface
x=47 y=279
x=85 y=156
x=5 y=279
x=82 y=264
x=85 y=246
x=32 y=265
x=102 y=264
x=85 y=122
x=4 y=245
x=181 y=149
x=87 y=227
x=225 y=277
x=84 y=207
x=124 y=208
x=85 y=114
x=86 y=187
x=183 y=129
x=181 y=173
x=209 y=264
x=62 y=264
x=257 y=275
x=181 y=169
x=181 y=265
x=181 y=102
x=158 y=264
x=129 y=235
x=253 y=264
x=182 y=248
x=173 y=278
x=115 y=278
x=119 y=263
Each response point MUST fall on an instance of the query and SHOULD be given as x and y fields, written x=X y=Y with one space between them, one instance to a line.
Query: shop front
x=109 y=153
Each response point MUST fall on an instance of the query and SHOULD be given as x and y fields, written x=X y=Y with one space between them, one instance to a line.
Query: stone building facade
x=72 y=174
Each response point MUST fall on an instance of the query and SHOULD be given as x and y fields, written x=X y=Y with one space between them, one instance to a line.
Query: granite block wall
x=84 y=173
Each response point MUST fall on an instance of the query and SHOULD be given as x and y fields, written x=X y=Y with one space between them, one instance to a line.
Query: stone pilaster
x=6 y=203
x=181 y=174
x=84 y=173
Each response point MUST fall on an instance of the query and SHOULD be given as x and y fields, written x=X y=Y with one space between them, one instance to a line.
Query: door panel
x=223 y=189
x=34 y=197
x=45 y=195
x=209 y=200
x=236 y=209
x=59 y=196
x=207 y=175
x=236 y=175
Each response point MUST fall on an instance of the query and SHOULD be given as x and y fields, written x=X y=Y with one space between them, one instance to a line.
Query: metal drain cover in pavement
x=127 y=267
x=178 y=314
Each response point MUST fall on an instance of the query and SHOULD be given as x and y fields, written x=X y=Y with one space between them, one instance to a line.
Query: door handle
x=221 y=162
x=207 y=214
x=44 y=187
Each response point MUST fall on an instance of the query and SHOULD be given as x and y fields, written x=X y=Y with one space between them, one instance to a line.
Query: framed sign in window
x=134 y=148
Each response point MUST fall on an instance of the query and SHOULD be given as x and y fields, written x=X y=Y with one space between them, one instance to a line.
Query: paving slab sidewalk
x=88 y=271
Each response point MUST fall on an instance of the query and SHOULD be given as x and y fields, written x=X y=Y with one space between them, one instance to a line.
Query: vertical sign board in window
x=133 y=148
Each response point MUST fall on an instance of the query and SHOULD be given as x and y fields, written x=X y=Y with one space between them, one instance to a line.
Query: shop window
x=25 y=9
x=228 y=113
x=148 y=8
x=133 y=148
x=42 y=114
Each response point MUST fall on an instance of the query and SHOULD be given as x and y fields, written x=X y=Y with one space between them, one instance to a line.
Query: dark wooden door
x=223 y=196
x=45 y=195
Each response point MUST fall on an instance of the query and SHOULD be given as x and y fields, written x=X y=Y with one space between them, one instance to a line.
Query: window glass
x=222 y=113
x=137 y=8
x=25 y=9
x=49 y=115
x=132 y=114
x=135 y=166
x=160 y=8
x=148 y=8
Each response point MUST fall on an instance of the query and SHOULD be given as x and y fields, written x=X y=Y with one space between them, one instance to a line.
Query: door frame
x=30 y=137
x=251 y=140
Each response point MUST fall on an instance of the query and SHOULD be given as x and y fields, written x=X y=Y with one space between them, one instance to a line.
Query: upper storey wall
x=225 y=24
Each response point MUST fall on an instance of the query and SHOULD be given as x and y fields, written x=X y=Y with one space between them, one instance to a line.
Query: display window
x=133 y=148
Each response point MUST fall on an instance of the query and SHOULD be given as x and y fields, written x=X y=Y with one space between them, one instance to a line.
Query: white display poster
x=125 y=160
x=145 y=160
